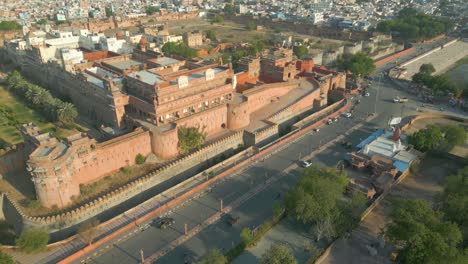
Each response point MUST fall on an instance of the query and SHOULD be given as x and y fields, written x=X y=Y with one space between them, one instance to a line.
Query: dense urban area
x=234 y=131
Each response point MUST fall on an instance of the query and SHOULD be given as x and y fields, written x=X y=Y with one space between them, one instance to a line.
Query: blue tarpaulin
x=400 y=165
x=371 y=138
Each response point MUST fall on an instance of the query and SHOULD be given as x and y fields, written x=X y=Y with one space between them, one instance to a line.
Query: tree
x=151 y=10
x=5 y=258
x=300 y=51
x=66 y=113
x=455 y=135
x=315 y=196
x=427 y=68
x=33 y=240
x=139 y=159
x=229 y=9
x=213 y=257
x=88 y=231
x=422 y=233
x=9 y=25
x=211 y=34
x=190 y=138
x=278 y=254
x=179 y=49
x=109 y=12
x=246 y=236
x=454 y=201
x=42 y=21
x=218 y=19
x=427 y=139
x=359 y=64
x=251 y=26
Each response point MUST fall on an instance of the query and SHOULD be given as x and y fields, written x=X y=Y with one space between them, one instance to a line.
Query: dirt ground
x=425 y=184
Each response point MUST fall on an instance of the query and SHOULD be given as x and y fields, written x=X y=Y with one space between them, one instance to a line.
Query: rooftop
x=123 y=65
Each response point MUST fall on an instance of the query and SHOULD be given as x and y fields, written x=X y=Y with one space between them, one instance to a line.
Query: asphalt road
x=259 y=207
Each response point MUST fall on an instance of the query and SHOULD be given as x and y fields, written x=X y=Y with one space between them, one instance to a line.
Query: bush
x=5 y=258
x=140 y=159
x=33 y=240
x=126 y=170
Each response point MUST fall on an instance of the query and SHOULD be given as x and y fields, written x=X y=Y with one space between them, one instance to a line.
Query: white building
x=316 y=17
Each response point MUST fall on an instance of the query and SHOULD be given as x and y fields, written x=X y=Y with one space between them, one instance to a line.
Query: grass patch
x=19 y=114
x=461 y=62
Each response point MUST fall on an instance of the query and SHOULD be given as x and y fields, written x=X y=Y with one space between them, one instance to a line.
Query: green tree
x=251 y=26
x=218 y=19
x=316 y=195
x=422 y=233
x=213 y=257
x=427 y=68
x=300 y=51
x=109 y=12
x=190 y=138
x=66 y=113
x=5 y=258
x=359 y=65
x=427 y=139
x=455 y=135
x=33 y=240
x=179 y=49
x=9 y=25
x=42 y=21
x=246 y=236
x=139 y=159
x=151 y=10
x=278 y=254
x=229 y=9
x=454 y=201
x=211 y=34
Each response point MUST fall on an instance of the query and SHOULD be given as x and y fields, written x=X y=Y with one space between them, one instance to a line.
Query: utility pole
x=377 y=94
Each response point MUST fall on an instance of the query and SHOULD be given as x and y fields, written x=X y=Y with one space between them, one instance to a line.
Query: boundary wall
x=393 y=56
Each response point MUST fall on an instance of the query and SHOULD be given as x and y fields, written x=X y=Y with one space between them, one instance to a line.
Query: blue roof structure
x=371 y=138
x=400 y=165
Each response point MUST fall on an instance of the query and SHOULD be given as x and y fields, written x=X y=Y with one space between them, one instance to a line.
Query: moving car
x=400 y=100
x=164 y=222
x=306 y=164
x=367 y=94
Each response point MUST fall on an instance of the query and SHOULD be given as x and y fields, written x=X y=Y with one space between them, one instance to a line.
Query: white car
x=347 y=115
x=367 y=94
x=316 y=129
x=305 y=164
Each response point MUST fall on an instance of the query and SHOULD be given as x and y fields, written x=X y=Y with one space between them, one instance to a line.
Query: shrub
x=140 y=159
x=33 y=240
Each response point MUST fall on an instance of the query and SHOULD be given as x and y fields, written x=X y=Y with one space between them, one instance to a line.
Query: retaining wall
x=394 y=56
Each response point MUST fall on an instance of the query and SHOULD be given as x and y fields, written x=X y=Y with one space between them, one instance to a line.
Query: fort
x=141 y=100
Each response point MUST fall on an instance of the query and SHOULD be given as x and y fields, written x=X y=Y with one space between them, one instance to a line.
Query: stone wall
x=263 y=136
x=13 y=158
x=116 y=201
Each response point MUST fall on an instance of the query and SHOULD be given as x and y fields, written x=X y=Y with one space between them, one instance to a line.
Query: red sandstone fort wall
x=112 y=155
x=261 y=96
x=211 y=120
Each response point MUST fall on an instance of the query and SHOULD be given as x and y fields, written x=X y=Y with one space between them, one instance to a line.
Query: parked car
x=232 y=220
x=347 y=115
x=306 y=164
x=335 y=119
x=367 y=94
x=164 y=222
x=329 y=121
x=316 y=129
